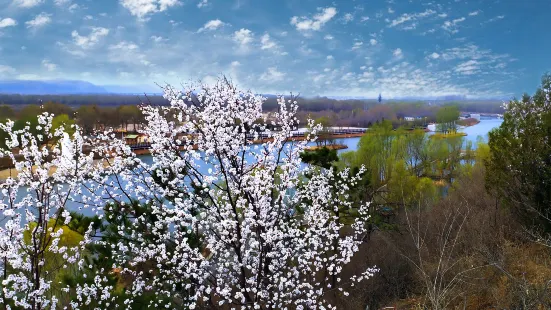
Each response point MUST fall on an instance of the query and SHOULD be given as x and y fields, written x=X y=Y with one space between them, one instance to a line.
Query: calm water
x=473 y=132
x=481 y=129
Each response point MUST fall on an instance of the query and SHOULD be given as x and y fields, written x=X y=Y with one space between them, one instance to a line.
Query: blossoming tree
x=216 y=217
x=33 y=212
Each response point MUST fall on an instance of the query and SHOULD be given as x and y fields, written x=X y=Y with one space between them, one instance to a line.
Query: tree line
x=92 y=117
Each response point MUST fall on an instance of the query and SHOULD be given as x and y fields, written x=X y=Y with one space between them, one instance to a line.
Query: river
x=481 y=129
x=473 y=132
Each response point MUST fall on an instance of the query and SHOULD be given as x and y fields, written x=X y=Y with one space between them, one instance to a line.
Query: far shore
x=13 y=173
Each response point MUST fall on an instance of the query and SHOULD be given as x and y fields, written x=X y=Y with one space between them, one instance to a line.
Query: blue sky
x=399 y=48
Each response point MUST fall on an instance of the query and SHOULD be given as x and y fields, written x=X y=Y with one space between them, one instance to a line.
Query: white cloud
x=330 y=57
x=495 y=19
x=400 y=80
x=364 y=18
x=390 y=10
x=316 y=22
x=142 y=8
x=7 y=22
x=443 y=15
x=373 y=42
x=474 y=13
x=451 y=26
x=305 y=50
x=243 y=36
x=235 y=63
x=211 y=25
x=92 y=39
x=410 y=17
x=328 y=37
x=468 y=68
x=73 y=7
x=397 y=53
x=267 y=42
x=432 y=30
x=48 y=65
x=174 y=23
x=27 y=3
x=40 y=20
x=474 y=59
x=318 y=77
x=127 y=52
x=411 y=27
x=348 y=17
x=272 y=75
x=367 y=76
x=203 y=3
x=124 y=46
x=67 y=4
x=357 y=45
x=157 y=39
x=6 y=70
x=30 y=76
x=434 y=55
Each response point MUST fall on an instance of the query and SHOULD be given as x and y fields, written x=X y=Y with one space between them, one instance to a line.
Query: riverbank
x=467 y=122
x=11 y=172
x=330 y=147
x=261 y=141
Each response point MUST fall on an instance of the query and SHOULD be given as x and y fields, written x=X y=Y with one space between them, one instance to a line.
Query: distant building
x=475 y=116
x=431 y=127
x=409 y=118
x=142 y=138
x=131 y=139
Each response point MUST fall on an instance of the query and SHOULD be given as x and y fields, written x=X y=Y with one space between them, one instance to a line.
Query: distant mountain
x=53 y=87
x=132 y=89
x=70 y=87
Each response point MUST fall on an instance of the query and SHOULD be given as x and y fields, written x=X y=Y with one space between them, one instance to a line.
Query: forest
x=408 y=220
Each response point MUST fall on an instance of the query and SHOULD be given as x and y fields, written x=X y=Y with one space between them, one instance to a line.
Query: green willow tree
x=519 y=166
x=6 y=112
x=324 y=135
x=446 y=118
x=63 y=121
